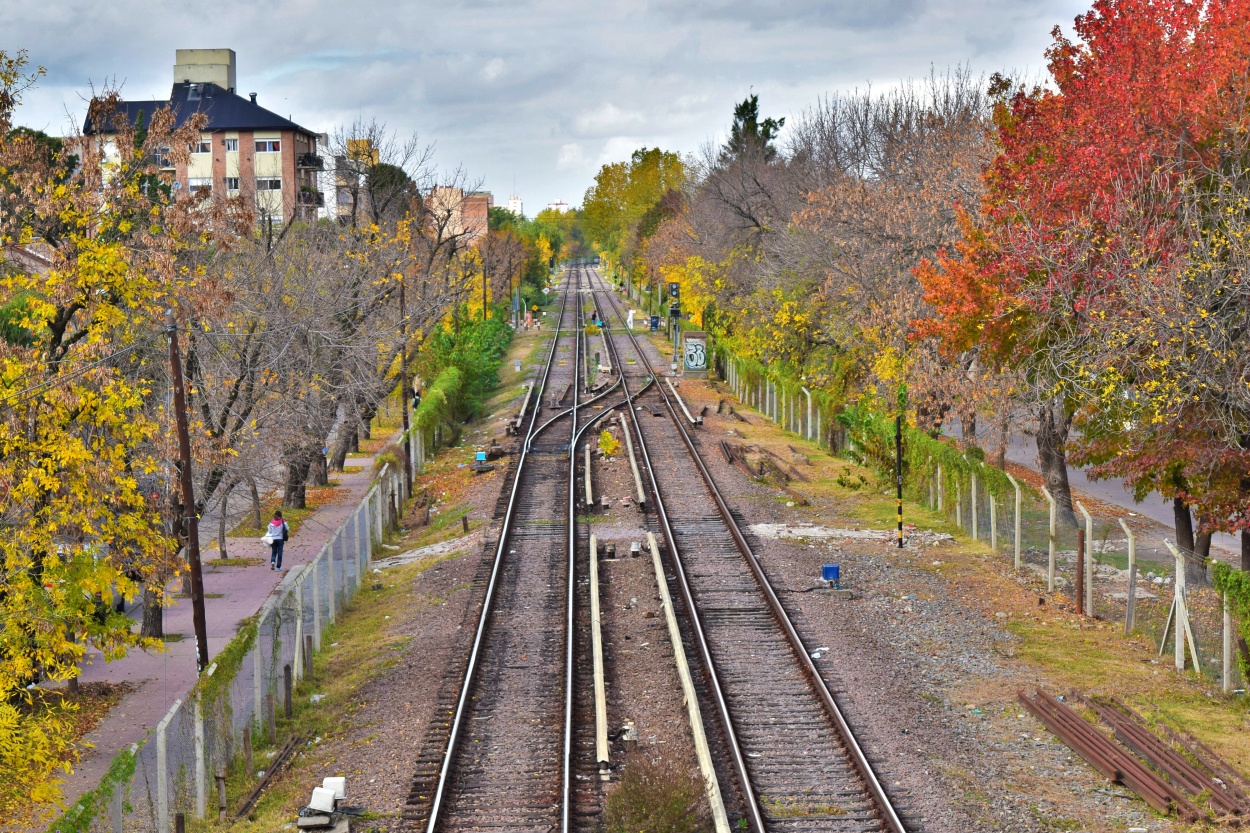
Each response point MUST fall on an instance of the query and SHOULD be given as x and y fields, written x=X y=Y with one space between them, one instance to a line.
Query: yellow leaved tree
x=91 y=260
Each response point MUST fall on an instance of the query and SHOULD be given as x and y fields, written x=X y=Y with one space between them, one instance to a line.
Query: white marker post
x=1050 y=570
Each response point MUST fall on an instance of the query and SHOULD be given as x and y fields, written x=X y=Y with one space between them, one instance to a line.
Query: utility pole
x=190 y=523
x=403 y=384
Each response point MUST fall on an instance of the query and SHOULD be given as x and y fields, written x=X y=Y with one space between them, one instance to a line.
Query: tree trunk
x=294 y=495
x=257 y=521
x=338 y=458
x=153 y=614
x=1245 y=549
x=1052 y=457
x=1184 y=525
x=968 y=426
x=318 y=473
x=221 y=520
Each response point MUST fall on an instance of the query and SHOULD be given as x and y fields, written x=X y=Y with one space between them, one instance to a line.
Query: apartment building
x=244 y=149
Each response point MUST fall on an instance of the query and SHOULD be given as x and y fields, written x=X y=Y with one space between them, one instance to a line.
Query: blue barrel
x=481 y=457
x=831 y=572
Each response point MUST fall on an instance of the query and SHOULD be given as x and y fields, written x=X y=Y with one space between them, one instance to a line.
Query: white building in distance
x=558 y=205
x=515 y=205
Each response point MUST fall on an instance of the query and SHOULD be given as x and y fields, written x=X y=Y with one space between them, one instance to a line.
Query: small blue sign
x=831 y=572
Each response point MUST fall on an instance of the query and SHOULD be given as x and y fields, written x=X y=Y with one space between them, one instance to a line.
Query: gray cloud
x=540 y=91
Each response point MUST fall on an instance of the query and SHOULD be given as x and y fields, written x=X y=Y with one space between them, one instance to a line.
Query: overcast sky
x=538 y=93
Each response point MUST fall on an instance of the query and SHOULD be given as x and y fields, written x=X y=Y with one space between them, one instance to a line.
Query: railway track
x=501 y=761
x=796 y=763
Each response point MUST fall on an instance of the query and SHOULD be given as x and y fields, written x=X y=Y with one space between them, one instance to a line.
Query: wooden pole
x=190 y=519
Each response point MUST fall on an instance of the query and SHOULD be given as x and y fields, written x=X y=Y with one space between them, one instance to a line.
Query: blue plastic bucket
x=831 y=572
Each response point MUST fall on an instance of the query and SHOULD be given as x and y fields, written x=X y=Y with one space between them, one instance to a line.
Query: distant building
x=515 y=206
x=558 y=205
x=462 y=215
x=244 y=149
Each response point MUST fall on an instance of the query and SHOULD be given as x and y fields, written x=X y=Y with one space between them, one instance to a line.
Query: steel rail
x=722 y=705
x=566 y=798
x=457 y=725
x=858 y=758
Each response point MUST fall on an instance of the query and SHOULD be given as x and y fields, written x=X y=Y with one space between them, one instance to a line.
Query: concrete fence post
x=1050 y=569
x=316 y=600
x=162 y=769
x=332 y=607
x=1226 y=662
x=807 y=433
x=258 y=665
x=1016 y=534
x=1088 y=602
x=976 y=529
x=993 y=520
x=201 y=771
x=959 y=504
x=1129 y=614
x=941 y=491
x=299 y=622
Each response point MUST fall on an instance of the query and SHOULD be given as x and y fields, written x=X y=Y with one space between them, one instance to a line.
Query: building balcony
x=311 y=198
x=309 y=162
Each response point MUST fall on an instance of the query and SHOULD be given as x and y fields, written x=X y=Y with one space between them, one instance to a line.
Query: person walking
x=277 y=535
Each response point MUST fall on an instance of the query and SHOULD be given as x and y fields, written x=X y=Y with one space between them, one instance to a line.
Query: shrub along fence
x=1017 y=520
x=227 y=720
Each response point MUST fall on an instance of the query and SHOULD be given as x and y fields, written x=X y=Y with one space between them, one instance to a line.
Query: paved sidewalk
x=232 y=594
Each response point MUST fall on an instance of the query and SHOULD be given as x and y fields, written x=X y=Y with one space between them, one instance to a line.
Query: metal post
x=1050 y=570
x=1016 y=486
x=1088 y=601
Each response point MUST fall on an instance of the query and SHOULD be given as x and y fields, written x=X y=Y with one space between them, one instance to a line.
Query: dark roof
x=225 y=110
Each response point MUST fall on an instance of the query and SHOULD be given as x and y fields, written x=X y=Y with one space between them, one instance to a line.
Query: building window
x=232 y=182
x=268 y=145
x=203 y=146
x=232 y=145
x=196 y=183
x=271 y=183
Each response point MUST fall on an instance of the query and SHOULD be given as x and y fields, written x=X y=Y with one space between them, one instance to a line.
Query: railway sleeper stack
x=1165 y=777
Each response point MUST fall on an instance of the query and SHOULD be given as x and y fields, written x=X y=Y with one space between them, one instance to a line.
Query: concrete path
x=232 y=594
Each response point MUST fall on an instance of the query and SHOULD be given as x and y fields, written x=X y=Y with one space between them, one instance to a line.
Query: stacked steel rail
x=794 y=756
x=506 y=764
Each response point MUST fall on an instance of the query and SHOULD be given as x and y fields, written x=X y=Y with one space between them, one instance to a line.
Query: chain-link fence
x=1131 y=577
x=234 y=706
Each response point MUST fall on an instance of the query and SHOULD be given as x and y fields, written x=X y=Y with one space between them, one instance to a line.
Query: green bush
x=657 y=797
